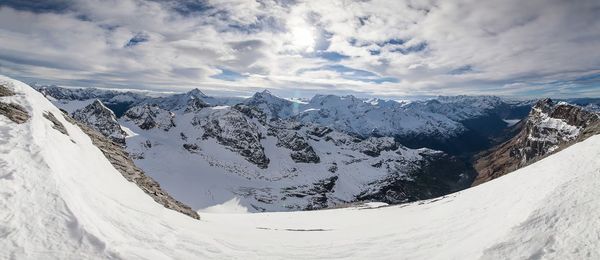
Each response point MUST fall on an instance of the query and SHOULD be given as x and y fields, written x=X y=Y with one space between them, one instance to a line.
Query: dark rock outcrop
x=252 y=112
x=373 y=146
x=14 y=112
x=55 y=123
x=233 y=130
x=5 y=91
x=192 y=148
x=318 y=193
x=319 y=131
x=147 y=117
x=195 y=105
x=301 y=149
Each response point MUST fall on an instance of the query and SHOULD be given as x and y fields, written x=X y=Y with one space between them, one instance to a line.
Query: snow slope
x=61 y=199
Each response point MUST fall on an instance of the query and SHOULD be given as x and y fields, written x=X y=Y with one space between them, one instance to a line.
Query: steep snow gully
x=61 y=199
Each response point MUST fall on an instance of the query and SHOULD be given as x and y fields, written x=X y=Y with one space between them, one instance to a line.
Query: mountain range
x=70 y=191
x=274 y=154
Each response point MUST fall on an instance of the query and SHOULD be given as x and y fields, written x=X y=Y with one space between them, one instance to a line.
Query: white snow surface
x=230 y=206
x=511 y=122
x=61 y=199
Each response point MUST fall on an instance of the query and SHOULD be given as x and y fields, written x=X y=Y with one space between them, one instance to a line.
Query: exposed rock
x=195 y=105
x=333 y=168
x=151 y=116
x=318 y=193
x=322 y=188
x=301 y=149
x=101 y=119
x=549 y=128
x=192 y=148
x=233 y=130
x=124 y=164
x=319 y=131
x=373 y=146
x=14 y=112
x=5 y=91
x=252 y=112
x=55 y=123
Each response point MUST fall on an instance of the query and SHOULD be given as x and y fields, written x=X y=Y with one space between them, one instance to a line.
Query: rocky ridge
x=550 y=127
x=101 y=119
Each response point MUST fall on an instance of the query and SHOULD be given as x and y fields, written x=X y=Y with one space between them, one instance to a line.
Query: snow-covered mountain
x=63 y=199
x=456 y=125
x=101 y=119
x=207 y=155
x=452 y=124
x=385 y=118
x=458 y=107
x=549 y=127
x=275 y=154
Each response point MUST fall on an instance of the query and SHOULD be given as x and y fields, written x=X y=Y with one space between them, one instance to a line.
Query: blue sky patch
x=414 y=48
x=331 y=55
x=462 y=70
x=38 y=6
x=393 y=41
x=137 y=39
x=353 y=74
x=228 y=75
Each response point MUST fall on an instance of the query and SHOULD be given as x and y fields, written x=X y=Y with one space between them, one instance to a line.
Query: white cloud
x=430 y=47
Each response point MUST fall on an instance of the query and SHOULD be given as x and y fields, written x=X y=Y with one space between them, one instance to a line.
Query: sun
x=303 y=38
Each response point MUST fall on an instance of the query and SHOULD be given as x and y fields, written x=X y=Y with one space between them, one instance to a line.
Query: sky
x=378 y=48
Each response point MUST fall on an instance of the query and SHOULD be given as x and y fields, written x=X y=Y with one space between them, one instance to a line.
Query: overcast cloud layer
x=386 y=48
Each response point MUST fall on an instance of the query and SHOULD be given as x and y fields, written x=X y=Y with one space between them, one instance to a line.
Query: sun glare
x=302 y=38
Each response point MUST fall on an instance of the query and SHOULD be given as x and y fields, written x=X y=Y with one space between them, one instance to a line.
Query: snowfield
x=61 y=199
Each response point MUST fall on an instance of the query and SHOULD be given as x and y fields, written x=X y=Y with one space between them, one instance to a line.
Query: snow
x=72 y=105
x=61 y=199
x=230 y=206
x=386 y=118
x=310 y=109
x=511 y=122
x=129 y=132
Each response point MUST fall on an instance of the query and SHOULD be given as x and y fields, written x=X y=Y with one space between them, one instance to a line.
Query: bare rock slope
x=550 y=127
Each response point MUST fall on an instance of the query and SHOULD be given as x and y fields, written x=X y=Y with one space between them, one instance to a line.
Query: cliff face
x=550 y=127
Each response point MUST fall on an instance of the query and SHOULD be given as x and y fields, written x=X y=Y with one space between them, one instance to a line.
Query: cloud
x=371 y=48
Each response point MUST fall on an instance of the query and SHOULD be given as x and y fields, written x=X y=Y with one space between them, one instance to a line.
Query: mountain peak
x=97 y=102
x=98 y=106
x=544 y=104
x=196 y=93
x=264 y=95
